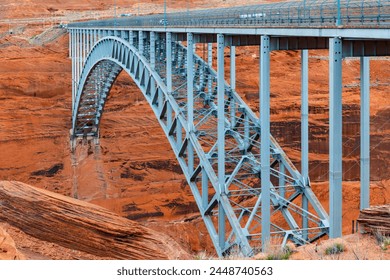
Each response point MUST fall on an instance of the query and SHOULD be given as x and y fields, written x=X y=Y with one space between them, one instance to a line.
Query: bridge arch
x=232 y=213
x=107 y=58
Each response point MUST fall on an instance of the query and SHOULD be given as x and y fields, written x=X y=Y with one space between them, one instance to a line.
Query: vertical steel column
x=152 y=59
x=152 y=50
x=190 y=80
x=233 y=67
x=221 y=136
x=70 y=44
x=131 y=37
x=210 y=54
x=74 y=63
x=190 y=98
x=80 y=62
x=95 y=36
x=210 y=63
x=141 y=42
x=221 y=111
x=233 y=85
x=83 y=46
x=72 y=54
x=305 y=134
x=364 y=132
x=87 y=35
x=265 y=140
x=77 y=59
x=335 y=137
x=169 y=61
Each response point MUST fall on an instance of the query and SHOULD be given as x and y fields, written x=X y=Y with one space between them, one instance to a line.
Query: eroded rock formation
x=79 y=225
x=376 y=219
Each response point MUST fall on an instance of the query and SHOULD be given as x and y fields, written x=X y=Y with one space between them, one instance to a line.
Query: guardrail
x=310 y=13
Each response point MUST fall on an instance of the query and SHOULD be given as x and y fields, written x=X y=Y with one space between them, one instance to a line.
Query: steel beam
x=131 y=37
x=78 y=59
x=305 y=133
x=190 y=81
x=205 y=189
x=265 y=140
x=87 y=38
x=141 y=42
x=210 y=64
x=72 y=55
x=190 y=98
x=153 y=50
x=335 y=137
x=364 y=132
x=233 y=67
x=221 y=136
x=221 y=112
x=169 y=61
x=83 y=46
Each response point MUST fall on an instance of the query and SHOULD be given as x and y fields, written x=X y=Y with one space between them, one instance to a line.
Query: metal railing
x=310 y=13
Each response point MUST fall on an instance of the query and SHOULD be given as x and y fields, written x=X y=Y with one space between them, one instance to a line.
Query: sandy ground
x=134 y=172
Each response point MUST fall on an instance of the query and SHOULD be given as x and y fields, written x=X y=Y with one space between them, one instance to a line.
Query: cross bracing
x=246 y=188
x=196 y=146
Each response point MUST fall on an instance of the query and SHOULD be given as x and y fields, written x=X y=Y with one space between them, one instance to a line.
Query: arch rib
x=240 y=205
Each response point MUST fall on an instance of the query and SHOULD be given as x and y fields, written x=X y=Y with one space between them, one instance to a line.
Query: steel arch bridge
x=246 y=188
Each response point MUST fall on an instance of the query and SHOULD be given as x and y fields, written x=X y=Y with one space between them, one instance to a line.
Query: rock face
x=376 y=219
x=79 y=225
x=8 y=249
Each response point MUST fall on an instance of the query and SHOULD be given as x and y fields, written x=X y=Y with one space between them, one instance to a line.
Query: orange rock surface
x=8 y=249
x=134 y=172
x=79 y=225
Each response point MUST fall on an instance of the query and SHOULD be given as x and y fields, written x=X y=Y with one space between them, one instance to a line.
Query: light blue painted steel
x=221 y=112
x=152 y=50
x=265 y=141
x=169 y=60
x=233 y=67
x=233 y=227
x=210 y=64
x=190 y=98
x=364 y=132
x=73 y=56
x=230 y=220
x=233 y=85
x=305 y=134
x=190 y=81
x=221 y=136
x=140 y=42
x=338 y=20
x=335 y=137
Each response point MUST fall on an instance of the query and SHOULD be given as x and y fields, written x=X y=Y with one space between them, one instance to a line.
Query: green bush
x=385 y=243
x=336 y=248
x=283 y=254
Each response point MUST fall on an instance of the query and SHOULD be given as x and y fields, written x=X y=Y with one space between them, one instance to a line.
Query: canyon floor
x=133 y=171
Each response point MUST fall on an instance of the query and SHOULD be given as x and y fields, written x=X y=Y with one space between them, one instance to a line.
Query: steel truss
x=215 y=136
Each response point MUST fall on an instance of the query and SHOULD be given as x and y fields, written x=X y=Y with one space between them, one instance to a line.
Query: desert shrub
x=280 y=254
x=336 y=248
x=385 y=243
